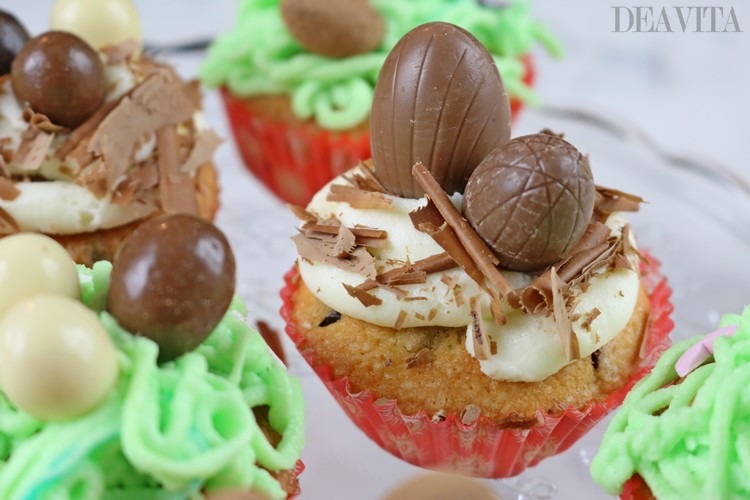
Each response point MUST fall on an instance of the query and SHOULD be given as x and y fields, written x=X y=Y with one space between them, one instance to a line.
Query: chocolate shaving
x=470 y=414
x=428 y=220
x=358 y=198
x=479 y=337
x=568 y=338
x=400 y=320
x=423 y=357
x=611 y=200
x=177 y=193
x=458 y=296
x=39 y=121
x=482 y=256
x=345 y=242
x=85 y=130
x=365 y=298
x=8 y=189
x=202 y=152
x=590 y=317
x=364 y=178
x=156 y=103
x=316 y=249
x=302 y=214
x=415 y=273
x=33 y=149
x=8 y=224
x=120 y=52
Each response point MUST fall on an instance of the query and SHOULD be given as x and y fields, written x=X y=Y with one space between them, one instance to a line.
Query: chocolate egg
x=531 y=200
x=56 y=359
x=439 y=100
x=172 y=281
x=13 y=36
x=61 y=76
x=333 y=28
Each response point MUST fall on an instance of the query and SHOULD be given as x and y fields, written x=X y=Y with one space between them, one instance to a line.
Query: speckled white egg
x=33 y=263
x=56 y=359
x=99 y=22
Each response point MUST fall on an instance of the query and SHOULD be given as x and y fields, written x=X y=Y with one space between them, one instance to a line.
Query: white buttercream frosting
x=528 y=345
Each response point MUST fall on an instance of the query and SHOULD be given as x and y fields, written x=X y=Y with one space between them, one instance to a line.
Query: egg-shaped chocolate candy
x=172 y=281
x=13 y=36
x=333 y=28
x=61 y=76
x=531 y=200
x=439 y=100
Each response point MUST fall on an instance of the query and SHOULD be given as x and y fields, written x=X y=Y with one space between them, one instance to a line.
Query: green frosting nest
x=167 y=431
x=688 y=438
x=260 y=57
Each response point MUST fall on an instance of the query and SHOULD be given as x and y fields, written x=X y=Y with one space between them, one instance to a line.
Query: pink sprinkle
x=701 y=351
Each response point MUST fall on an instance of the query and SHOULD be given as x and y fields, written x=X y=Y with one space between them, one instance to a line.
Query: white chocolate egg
x=99 y=22
x=56 y=359
x=33 y=263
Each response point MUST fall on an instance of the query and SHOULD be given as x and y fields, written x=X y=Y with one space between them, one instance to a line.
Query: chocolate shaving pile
x=101 y=152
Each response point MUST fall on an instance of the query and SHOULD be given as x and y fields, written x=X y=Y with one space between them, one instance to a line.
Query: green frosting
x=689 y=439
x=260 y=57
x=167 y=431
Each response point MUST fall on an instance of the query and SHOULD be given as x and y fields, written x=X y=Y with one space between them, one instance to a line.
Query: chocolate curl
x=177 y=193
x=345 y=243
x=562 y=320
x=410 y=273
x=480 y=254
x=479 y=337
x=86 y=129
x=364 y=178
x=358 y=198
x=33 y=149
x=612 y=200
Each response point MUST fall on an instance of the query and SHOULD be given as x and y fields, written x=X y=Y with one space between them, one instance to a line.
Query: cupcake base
x=483 y=448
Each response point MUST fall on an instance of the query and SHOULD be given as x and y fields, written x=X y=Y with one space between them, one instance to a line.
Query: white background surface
x=688 y=91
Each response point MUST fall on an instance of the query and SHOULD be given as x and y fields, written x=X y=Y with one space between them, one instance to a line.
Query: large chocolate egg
x=439 y=100
x=13 y=36
x=531 y=200
x=172 y=281
x=61 y=76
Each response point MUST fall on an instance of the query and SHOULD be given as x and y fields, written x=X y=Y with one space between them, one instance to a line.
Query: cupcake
x=94 y=140
x=682 y=431
x=481 y=314
x=166 y=391
x=297 y=78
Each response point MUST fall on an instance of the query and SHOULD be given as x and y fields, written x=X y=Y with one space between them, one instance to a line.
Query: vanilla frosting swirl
x=529 y=347
x=260 y=57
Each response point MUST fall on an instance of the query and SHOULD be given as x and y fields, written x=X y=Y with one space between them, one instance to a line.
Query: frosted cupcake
x=94 y=140
x=682 y=431
x=297 y=78
x=166 y=391
x=474 y=302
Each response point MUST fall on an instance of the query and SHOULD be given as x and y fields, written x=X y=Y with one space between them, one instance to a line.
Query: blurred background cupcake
x=297 y=78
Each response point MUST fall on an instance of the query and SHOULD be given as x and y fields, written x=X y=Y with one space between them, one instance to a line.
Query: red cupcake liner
x=294 y=161
x=298 y=468
x=482 y=449
x=636 y=489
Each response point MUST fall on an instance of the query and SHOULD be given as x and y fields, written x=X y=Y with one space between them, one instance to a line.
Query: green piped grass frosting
x=167 y=431
x=260 y=57
x=688 y=438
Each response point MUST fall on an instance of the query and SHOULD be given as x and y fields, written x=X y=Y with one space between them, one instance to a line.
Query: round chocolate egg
x=56 y=359
x=439 y=100
x=172 y=281
x=13 y=36
x=531 y=200
x=333 y=28
x=32 y=263
x=98 y=22
x=61 y=76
